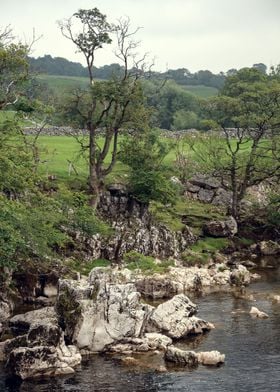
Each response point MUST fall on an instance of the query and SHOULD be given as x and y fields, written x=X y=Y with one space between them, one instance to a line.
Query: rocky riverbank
x=107 y=313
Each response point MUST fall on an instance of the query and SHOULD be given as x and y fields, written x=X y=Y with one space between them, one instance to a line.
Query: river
x=251 y=346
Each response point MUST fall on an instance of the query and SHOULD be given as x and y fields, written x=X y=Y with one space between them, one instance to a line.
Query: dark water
x=252 y=348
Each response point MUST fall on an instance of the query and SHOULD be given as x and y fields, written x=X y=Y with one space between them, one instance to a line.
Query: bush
x=148 y=177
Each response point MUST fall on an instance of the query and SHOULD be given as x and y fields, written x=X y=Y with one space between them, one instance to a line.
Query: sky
x=193 y=34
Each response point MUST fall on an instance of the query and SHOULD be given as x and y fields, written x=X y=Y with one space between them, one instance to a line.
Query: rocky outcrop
x=97 y=316
x=41 y=349
x=134 y=229
x=176 y=280
x=175 y=318
x=221 y=228
x=207 y=190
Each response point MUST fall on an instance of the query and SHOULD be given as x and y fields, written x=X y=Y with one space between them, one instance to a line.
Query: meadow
x=61 y=84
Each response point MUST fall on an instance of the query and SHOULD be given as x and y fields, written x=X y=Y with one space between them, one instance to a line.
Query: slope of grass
x=59 y=84
x=202 y=91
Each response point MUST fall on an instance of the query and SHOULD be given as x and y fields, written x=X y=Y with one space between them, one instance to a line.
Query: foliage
x=13 y=72
x=148 y=177
x=248 y=153
x=136 y=261
x=273 y=211
x=29 y=229
x=78 y=215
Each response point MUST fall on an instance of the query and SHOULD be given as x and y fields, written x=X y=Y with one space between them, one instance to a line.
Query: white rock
x=257 y=313
x=210 y=357
x=173 y=318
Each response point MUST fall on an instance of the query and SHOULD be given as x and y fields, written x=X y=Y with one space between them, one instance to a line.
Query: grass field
x=57 y=151
x=62 y=83
x=202 y=91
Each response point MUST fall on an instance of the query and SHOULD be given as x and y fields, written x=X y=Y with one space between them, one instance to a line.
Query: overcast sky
x=194 y=34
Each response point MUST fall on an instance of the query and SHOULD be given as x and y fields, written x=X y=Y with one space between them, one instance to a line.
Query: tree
x=13 y=72
x=246 y=150
x=148 y=178
x=113 y=105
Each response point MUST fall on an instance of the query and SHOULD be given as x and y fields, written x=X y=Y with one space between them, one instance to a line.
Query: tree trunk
x=94 y=180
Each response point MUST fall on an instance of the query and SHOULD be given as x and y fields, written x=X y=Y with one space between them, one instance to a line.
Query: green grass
x=203 y=250
x=62 y=83
x=202 y=91
x=136 y=261
x=85 y=268
x=190 y=212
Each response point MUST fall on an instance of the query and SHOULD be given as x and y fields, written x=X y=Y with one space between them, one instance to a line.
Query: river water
x=251 y=346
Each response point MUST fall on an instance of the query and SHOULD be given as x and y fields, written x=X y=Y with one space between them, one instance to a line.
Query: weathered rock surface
x=269 y=248
x=149 y=342
x=134 y=229
x=107 y=313
x=255 y=312
x=40 y=350
x=191 y=358
x=181 y=357
x=177 y=280
x=21 y=323
x=30 y=362
x=173 y=318
x=210 y=358
x=225 y=228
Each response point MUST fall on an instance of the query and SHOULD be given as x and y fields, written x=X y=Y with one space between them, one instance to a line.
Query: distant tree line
x=61 y=66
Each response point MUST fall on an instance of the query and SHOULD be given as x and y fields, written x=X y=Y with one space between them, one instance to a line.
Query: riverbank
x=251 y=347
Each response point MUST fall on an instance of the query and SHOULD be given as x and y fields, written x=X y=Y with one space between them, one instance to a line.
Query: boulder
x=40 y=348
x=173 y=318
x=205 y=195
x=240 y=276
x=149 y=342
x=30 y=362
x=255 y=312
x=213 y=358
x=21 y=323
x=269 y=248
x=221 y=228
x=222 y=197
x=99 y=315
x=181 y=357
x=204 y=181
x=191 y=358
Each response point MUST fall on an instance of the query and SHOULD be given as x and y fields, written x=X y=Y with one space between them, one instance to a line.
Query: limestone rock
x=26 y=362
x=210 y=358
x=240 y=276
x=173 y=318
x=21 y=323
x=181 y=357
x=204 y=181
x=225 y=228
x=269 y=248
x=258 y=313
x=105 y=313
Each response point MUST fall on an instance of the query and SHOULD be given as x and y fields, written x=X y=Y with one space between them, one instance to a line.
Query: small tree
x=246 y=149
x=148 y=177
x=113 y=105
